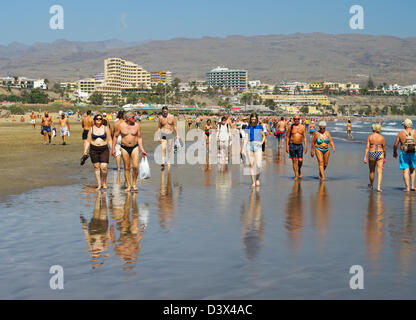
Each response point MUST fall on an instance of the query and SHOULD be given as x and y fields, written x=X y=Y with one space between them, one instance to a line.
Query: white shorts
x=118 y=146
x=64 y=131
x=33 y=121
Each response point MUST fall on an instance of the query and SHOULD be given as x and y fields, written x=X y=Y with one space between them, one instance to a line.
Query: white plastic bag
x=144 y=168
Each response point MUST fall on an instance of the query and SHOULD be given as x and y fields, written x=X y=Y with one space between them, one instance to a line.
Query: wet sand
x=201 y=232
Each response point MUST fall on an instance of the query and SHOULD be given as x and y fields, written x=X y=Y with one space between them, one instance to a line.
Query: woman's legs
x=320 y=158
x=258 y=157
x=97 y=172
x=372 y=167
x=103 y=168
x=251 y=160
x=379 y=173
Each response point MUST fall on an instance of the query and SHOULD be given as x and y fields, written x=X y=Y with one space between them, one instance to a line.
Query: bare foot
x=104 y=186
x=253 y=185
x=370 y=186
x=135 y=188
x=379 y=190
x=98 y=188
x=300 y=175
x=128 y=189
x=257 y=183
x=323 y=178
x=296 y=178
x=406 y=190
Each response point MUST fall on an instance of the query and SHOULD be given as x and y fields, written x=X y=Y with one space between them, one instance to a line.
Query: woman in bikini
x=376 y=147
x=98 y=141
x=207 y=128
x=320 y=145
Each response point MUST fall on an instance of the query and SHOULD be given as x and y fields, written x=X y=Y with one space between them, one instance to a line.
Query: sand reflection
x=295 y=215
x=373 y=226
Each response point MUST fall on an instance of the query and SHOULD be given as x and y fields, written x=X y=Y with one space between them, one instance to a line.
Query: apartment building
x=226 y=78
x=89 y=85
x=164 y=77
x=298 y=99
x=120 y=74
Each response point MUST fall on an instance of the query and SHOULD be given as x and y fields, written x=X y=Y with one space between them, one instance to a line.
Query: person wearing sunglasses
x=320 y=146
x=294 y=145
x=98 y=141
x=131 y=142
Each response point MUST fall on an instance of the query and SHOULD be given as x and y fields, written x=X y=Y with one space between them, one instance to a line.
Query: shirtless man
x=131 y=141
x=33 y=120
x=87 y=123
x=117 y=122
x=294 y=146
x=64 y=128
x=407 y=141
x=46 y=127
x=167 y=124
x=281 y=129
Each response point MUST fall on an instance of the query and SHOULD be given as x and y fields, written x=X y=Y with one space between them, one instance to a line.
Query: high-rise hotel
x=120 y=74
x=226 y=78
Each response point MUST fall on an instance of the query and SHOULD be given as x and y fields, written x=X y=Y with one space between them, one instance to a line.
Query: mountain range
x=269 y=58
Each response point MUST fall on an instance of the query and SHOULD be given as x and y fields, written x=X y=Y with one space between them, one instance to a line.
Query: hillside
x=270 y=58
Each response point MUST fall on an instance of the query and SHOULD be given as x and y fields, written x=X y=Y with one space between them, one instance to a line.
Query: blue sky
x=27 y=21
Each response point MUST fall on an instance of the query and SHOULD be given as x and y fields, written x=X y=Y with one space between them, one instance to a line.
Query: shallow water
x=201 y=232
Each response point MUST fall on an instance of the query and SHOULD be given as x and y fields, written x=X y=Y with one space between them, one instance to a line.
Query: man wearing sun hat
x=407 y=140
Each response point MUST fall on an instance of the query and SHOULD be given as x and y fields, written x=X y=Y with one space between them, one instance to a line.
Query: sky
x=28 y=21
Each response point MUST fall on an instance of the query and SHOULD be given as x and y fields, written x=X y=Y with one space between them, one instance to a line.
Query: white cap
x=408 y=123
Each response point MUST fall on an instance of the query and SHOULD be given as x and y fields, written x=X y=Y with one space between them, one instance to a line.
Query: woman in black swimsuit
x=376 y=148
x=207 y=128
x=98 y=141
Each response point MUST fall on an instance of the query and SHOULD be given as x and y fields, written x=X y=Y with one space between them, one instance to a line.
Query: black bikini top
x=93 y=136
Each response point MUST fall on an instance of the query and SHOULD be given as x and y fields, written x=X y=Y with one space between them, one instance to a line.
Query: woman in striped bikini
x=376 y=147
x=320 y=145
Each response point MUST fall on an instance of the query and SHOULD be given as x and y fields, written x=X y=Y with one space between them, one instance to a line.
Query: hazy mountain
x=270 y=58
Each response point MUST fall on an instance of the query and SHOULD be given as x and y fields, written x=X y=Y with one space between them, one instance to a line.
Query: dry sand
x=25 y=163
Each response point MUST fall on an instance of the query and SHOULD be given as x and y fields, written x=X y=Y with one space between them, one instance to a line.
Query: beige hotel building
x=121 y=74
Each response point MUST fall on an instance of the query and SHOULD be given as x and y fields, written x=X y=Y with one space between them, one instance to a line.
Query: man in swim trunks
x=87 y=123
x=33 y=120
x=407 y=140
x=131 y=142
x=64 y=128
x=294 y=146
x=281 y=129
x=46 y=127
x=167 y=125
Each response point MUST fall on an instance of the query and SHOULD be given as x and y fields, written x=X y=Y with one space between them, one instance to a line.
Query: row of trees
x=32 y=96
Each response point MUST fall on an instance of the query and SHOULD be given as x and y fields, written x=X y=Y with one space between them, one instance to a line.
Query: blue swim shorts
x=295 y=151
x=407 y=160
x=47 y=129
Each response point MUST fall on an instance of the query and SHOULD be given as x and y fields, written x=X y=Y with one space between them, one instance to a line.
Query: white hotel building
x=226 y=78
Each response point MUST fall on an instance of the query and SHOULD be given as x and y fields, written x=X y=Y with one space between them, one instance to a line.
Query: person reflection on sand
x=294 y=215
x=320 y=210
x=166 y=202
x=252 y=224
x=127 y=247
x=96 y=233
x=207 y=170
x=404 y=234
x=374 y=236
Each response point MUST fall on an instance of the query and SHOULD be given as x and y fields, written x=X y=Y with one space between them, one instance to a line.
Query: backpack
x=409 y=144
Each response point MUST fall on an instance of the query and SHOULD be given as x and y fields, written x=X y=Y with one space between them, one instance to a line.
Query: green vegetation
x=34 y=96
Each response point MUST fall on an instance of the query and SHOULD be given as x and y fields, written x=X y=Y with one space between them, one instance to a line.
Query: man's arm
x=175 y=127
x=305 y=141
x=67 y=122
x=117 y=132
x=396 y=144
x=87 y=145
x=109 y=139
x=140 y=141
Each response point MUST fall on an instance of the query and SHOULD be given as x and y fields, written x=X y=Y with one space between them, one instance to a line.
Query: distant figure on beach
x=117 y=122
x=198 y=121
x=294 y=145
x=167 y=127
x=321 y=142
x=131 y=141
x=349 y=129
x=189 y=123
x=46 y=124
x=98 y=141
x=224 y=138
x=280 y=132
x=33 y=120
x=254 y=138
x=64 y=128
x=87 y=123
x=207 y=129
x=376 y=146
x=312 y=130
x=407 y=140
